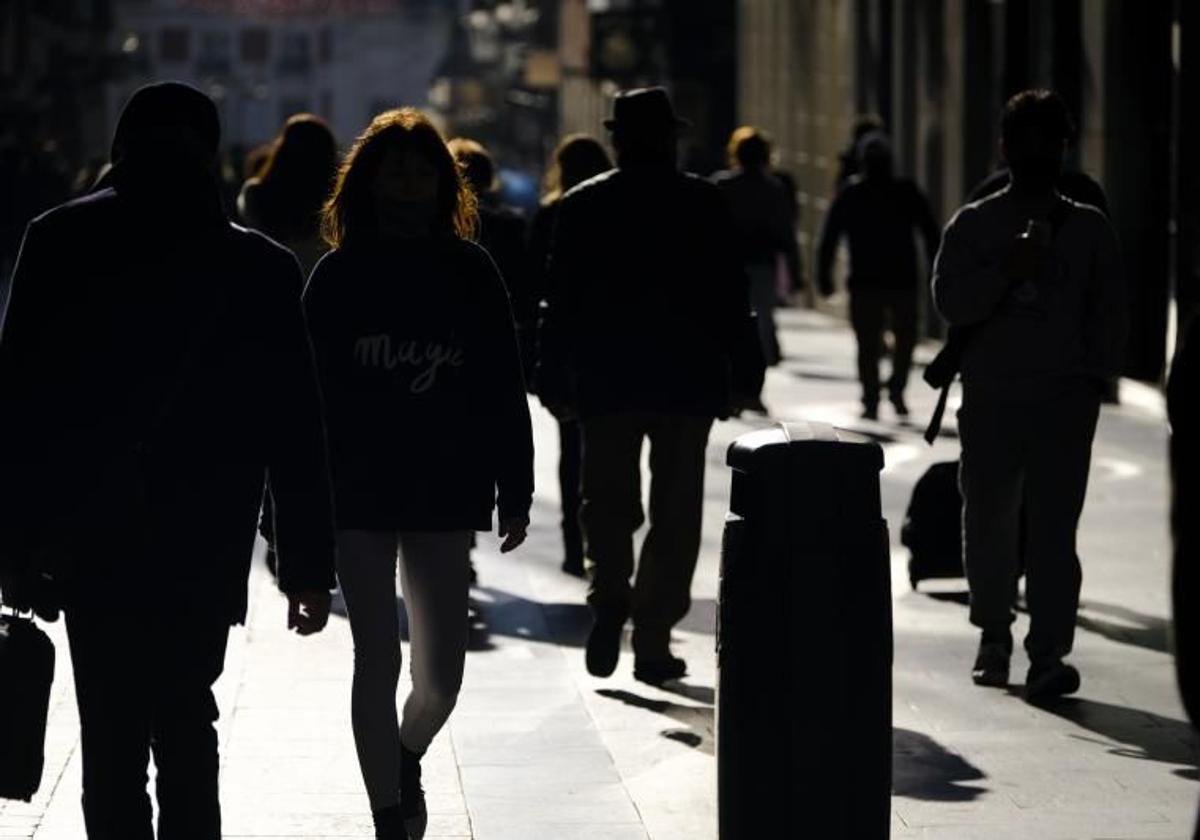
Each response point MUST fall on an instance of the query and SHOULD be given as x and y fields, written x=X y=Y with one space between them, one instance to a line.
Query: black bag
x=26 y=674
x=932 y=529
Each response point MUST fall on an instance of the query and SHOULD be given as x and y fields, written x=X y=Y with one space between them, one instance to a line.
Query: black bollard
x=804 y=640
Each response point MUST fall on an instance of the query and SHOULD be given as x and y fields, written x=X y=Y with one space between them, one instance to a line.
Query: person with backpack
x=1032 y=283
x=429 y=434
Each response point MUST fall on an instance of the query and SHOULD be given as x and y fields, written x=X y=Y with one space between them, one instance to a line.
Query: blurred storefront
x=54 y=62
x=938 y=72
x=498 y=84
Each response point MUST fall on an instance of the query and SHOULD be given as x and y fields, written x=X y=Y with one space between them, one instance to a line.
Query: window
x=256 y=45
x=325 y=45
x=174 y=45
x=215 y=52
x=295 y=53
x=291 y=107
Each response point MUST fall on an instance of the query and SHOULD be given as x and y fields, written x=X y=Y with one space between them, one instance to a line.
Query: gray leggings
x=434 y=577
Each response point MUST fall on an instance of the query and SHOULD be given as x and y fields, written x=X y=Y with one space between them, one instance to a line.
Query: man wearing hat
x=647 y=302
x=879 y=214
x=142 y=327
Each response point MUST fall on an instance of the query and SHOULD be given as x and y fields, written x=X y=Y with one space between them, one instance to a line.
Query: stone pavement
x=539 y=749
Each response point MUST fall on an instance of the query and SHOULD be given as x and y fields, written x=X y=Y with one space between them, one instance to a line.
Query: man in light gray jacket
x=1036 y=280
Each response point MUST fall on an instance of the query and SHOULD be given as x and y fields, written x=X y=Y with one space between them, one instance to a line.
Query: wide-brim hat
x=645 y=109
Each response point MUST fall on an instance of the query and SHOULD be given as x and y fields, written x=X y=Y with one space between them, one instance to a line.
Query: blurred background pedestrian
x=578 y=158
x=284 y=200
x=879 y=213
x=762 y=227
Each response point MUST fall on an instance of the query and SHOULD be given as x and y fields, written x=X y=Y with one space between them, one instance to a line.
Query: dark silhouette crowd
x=339 y=351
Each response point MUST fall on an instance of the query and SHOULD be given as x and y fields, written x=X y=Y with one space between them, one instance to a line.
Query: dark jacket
x=762 y=215
x=1075 y=326
x=879 y=217
x=1077 y=186
x=109 y=297
x=425 y=399
x=502 y=233
x=647 y=298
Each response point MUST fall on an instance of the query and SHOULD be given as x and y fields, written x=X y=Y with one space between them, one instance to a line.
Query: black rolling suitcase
x=932 y=530
x=804 y=640
x=26 y=674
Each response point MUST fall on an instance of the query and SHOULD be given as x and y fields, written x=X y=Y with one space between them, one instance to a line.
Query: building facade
x=937 y=72
x=264 y=60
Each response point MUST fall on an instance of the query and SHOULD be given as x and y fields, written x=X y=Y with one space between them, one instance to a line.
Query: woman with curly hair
x=429 y=431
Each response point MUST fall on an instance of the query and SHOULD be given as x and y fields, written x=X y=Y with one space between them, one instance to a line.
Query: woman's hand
x=513 y=530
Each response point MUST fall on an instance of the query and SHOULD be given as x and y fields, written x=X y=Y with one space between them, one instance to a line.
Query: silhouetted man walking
x=1035 y=279
x=646 y=301
x=145 y=336
x=879 y=213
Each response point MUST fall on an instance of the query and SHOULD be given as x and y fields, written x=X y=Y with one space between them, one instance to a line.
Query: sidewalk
x=539 y=749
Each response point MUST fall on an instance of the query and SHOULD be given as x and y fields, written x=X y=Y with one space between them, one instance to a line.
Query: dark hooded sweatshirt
x=109 y=294
x=429 y=427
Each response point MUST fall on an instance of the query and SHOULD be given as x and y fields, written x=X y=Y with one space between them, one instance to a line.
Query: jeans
x=144 y=667
x=434 y=576
x=871 y=310
x=612 y=511
x=1030 y=447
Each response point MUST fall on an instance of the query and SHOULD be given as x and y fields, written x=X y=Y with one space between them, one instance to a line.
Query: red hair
x=349 y=213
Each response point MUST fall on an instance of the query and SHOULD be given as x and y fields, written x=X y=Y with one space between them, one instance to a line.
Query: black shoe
x=472 y=573
x=389 y=824
x=900 y=407
x=870 y=412
x=991 y=663
x=1050 y=680
x=604 y=645
x=573 y=566
x=658 y=671
x=412 y=795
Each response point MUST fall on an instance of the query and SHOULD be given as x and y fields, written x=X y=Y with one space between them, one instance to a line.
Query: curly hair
x=349 y=214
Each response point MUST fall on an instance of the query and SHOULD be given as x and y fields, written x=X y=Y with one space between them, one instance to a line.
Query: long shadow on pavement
x=697 y=719
x=1131 y=627
x=495 y=612
x=924 y=769
x=1139 y=734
